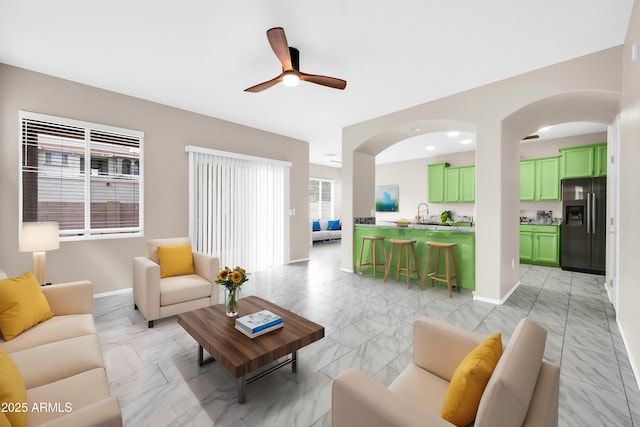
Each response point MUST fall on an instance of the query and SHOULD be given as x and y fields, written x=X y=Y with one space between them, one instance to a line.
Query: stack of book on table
x=256 y=324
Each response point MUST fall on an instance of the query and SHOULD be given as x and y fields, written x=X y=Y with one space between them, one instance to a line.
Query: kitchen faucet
x=420 y=217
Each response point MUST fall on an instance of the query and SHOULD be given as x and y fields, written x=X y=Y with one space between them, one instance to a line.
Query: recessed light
x=544 y=129
x=466 y=141
x=453 y=134
x=415 y=129
x=430 y=148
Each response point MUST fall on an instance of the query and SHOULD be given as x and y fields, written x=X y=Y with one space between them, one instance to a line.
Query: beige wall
x=583 y=89
x=629 y=207
x=107 y=263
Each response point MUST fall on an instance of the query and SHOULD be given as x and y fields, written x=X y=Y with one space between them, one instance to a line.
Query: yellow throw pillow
x=469 y=381
x=4 y=421
x=175 y=260
x=13 y=394
x=22 y=305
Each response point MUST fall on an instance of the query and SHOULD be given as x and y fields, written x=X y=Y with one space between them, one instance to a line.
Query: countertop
x=414 y=226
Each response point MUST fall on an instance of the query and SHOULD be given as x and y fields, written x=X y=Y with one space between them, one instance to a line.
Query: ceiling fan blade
x=264 y=85
x=324 y=80
x=278 y=42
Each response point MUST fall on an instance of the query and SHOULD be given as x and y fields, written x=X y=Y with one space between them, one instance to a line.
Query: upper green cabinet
x=435 y=175
x=601 y=158
x=584 y=161
x=540 y=179
x=451 y=185
x=527 y=180
x=467 y=184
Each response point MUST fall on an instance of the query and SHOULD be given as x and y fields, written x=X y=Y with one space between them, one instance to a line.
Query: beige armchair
x=157 y=297
x=522 y=391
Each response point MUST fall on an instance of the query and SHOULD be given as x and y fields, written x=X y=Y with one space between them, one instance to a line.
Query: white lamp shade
x=39 y=236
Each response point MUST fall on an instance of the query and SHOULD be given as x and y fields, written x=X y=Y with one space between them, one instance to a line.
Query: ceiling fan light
x=290 y=78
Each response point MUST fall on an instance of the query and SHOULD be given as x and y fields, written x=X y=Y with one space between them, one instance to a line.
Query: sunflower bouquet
x=232 y=280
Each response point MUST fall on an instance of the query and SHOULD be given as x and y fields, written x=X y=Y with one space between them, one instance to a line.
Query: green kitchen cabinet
x=435 y=185
x=540 y=179
x=584 y=161
x=546 y=248
x=452 y=185
x=548 y=178
x=540 y=244
x=601 y=158
x=467 y=179
x=460 y=184
x=465 y=251
x=527 y=180
x=526 y=246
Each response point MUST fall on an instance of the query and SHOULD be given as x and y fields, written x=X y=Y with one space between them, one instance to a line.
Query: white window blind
x=84 y=176
x=239 y=208
x=321 y=199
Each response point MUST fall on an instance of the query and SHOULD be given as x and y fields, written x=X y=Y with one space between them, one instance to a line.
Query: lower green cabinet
x=526 y=246
x=540 y=244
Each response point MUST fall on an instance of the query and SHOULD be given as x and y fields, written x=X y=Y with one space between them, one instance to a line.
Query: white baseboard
x=497 y=301
x=632 y=361
x=110 y=293
x=293 y=261
x=347 y=270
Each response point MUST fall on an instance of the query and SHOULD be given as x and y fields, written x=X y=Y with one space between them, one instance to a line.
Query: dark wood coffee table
x=241 y=355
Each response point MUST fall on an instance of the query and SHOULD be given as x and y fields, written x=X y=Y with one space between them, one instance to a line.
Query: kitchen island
x=465 y=252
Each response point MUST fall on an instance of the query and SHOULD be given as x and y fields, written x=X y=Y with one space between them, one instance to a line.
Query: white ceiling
x=439 y=143
x=199 y=55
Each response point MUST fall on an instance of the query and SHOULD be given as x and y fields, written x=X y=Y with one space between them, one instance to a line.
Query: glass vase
x=231 y=301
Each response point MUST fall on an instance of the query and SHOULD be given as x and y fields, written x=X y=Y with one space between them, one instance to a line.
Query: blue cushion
x=316 y=226
x=334 y=224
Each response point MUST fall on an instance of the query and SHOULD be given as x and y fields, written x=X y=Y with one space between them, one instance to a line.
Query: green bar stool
x=406 y=270
x=450 y=261
x=374 y=254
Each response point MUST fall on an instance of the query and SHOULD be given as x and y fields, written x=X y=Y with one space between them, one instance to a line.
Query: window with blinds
x=86 y=177
x=321 y=203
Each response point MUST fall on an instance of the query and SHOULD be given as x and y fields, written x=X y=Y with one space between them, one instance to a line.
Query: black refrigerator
x=583 y=230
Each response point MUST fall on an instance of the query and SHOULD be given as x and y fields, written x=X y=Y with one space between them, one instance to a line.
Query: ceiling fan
x=289 y=57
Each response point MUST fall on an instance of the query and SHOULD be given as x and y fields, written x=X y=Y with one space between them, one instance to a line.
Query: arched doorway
x=586 y=88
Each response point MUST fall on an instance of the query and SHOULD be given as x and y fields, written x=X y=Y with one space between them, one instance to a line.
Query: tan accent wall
x=107 y=263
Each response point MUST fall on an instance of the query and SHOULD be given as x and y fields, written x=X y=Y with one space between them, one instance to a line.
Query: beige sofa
x=158 y=298
x=61 y=363
x=522 y=391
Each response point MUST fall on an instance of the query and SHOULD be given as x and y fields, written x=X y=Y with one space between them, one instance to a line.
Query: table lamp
x=39 y=237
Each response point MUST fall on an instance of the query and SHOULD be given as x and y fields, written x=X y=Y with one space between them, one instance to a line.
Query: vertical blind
x=239 y=208
x=84 y=176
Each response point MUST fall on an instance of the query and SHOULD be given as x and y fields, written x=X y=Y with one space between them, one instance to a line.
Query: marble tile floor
x=368 y=325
